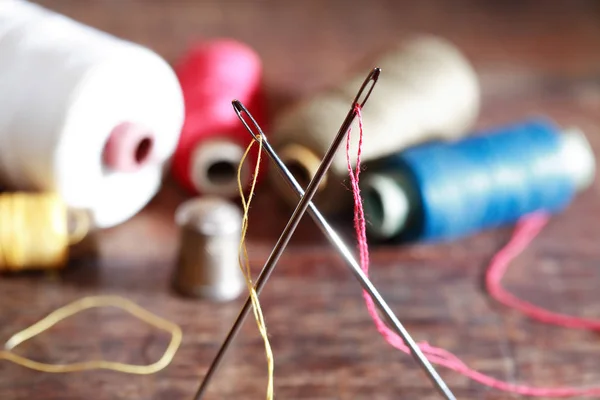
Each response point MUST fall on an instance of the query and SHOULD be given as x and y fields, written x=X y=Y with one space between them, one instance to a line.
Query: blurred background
x=530 y=58
x=534 y=56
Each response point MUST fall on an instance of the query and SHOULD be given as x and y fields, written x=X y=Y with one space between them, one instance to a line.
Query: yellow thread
x=245 y=263
x=34 y=231
x=83 y=304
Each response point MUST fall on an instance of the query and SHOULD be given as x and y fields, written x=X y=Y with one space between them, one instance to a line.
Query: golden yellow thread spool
x=36 y=230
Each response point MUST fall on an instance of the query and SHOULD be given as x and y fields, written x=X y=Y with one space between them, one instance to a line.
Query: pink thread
x=526 y=230
x=524 y=233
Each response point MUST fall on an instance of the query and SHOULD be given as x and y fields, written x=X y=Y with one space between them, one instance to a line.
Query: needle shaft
x=290 y=228
x=355 y=268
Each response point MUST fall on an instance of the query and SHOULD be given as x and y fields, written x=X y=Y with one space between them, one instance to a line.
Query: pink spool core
x=129 y=147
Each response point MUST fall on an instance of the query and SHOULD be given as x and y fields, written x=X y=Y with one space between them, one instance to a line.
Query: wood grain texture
x=533 y=57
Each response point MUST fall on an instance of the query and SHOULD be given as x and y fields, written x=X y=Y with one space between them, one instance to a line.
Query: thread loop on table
x=525 y=231
x=81 y=305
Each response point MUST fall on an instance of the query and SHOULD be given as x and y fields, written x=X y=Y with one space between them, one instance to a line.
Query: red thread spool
x=213 y=140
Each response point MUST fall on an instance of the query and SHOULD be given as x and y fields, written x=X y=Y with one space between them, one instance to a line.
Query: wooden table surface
x=532 y=57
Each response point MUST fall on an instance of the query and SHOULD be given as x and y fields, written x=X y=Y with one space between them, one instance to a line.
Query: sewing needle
x=292 y=224
x=355 y=268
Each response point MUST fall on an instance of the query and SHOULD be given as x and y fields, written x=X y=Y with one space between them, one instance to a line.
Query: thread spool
x=36 y=231
x=84 y=114
x=213 y=140
x=442 y=191
x=208 y=265
x=427 y=89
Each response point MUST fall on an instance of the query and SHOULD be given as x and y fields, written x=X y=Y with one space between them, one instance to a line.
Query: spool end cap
x=214 y=167
x=387 y=206
x=129 y=147
x=579 y=158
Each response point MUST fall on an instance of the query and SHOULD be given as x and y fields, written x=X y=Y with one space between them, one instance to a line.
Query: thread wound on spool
x=65 y=87
x=429 y=90
x=211 y=74
x=34 y=233
x=480 y=182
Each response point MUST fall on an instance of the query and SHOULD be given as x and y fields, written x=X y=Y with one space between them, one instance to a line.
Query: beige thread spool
x=208 y=265
x=36 y=231
x=427 y=90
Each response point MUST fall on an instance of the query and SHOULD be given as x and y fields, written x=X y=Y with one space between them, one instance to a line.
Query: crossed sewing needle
x=303 y=205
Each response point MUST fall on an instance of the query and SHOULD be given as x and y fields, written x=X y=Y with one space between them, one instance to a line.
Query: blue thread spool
x=441 y=191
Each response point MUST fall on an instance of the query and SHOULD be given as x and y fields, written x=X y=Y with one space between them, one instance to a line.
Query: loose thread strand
x=84 y=304
x=526 y=231
x=245 y=262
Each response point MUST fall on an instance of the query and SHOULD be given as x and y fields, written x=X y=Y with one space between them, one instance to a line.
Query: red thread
x=526 y=230
x=211 y=75
x=524 y=233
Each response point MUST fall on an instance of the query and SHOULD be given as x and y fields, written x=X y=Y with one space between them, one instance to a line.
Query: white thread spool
x=427 y=90
x=84 y=114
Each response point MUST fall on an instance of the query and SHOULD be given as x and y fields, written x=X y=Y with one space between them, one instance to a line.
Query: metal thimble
x=207 y=265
